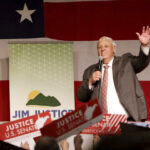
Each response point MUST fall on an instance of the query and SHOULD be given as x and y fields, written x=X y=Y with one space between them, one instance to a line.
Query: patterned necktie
x=104 y=90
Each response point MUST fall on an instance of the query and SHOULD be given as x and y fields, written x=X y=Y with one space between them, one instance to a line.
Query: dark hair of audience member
x=46 y=143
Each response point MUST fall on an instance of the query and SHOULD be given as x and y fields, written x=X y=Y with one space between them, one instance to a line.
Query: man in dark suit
x=122 y=91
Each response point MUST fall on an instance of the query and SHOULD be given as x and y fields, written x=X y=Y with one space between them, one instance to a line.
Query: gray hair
x=108 y=38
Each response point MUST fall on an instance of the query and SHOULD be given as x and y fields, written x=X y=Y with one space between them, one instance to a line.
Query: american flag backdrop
x=83 y=22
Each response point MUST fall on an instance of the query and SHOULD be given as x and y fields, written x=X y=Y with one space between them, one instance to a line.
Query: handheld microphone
x=100 y=63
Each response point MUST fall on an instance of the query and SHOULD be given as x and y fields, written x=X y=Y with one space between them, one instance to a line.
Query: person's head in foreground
x=47 y=143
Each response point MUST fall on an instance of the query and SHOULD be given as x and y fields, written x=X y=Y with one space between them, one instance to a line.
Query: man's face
x=106 y=49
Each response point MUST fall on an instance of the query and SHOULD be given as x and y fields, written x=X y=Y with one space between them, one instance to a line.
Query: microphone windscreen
x=100 y=58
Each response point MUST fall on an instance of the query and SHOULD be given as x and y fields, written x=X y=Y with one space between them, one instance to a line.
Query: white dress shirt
x=113 y=104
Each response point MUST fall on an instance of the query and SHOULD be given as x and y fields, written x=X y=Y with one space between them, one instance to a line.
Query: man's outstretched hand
x=144 y=37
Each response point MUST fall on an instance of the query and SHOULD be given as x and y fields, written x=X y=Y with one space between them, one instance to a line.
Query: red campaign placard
x=24 y=126
x=109 y=125
x=74 y=122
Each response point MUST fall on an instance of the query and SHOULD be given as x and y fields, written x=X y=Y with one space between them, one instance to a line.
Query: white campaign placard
x=41 y=78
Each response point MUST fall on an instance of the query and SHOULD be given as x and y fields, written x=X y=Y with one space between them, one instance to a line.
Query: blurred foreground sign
x=109 y=125
x=24 y=130
x=74 y=122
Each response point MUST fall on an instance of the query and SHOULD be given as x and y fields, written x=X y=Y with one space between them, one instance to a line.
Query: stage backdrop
x=81 y=21
x=41 y=78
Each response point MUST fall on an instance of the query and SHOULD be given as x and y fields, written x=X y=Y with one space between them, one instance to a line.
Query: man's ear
x=114 y=49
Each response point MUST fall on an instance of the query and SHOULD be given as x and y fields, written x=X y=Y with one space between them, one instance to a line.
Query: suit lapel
x=115 y=68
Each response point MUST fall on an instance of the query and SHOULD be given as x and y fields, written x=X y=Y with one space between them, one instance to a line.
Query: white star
x=25 y=13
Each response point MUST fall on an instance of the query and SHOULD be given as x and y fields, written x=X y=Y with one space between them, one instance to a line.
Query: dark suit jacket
x=128 y=88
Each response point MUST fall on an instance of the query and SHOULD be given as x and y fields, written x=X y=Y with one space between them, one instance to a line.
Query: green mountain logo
x=42 y=100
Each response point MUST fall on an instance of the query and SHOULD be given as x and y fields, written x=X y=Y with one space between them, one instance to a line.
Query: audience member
x=25 y=145
x=64 y=145
x=96 y=140
x=46 y=143
x=132 y=138
x=78 y=142
x=8 y=146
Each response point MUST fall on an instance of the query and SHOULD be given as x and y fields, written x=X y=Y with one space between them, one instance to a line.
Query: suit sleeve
x=84 y=93
x=140 y=62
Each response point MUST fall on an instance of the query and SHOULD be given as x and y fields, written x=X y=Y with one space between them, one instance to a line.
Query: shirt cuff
x=145 y=50
x=91 y=87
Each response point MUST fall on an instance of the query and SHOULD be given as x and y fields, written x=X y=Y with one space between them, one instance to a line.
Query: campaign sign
x=24 y=126
x=74 y=122
x=109 y=125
